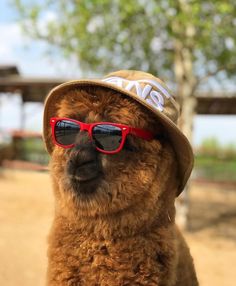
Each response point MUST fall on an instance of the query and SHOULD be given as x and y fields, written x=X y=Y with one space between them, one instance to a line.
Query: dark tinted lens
x=107 y=137
x=66 y=132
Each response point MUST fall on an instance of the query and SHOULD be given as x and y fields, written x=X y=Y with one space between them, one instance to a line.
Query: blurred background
x=189 y=44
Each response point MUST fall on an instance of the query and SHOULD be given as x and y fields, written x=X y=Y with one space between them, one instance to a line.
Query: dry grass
x=26 y=210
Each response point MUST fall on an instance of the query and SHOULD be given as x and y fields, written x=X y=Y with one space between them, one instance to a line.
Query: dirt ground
x=26 y=210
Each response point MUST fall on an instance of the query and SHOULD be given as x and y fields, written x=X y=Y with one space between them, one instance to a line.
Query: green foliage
x=137 y=34
x=32 y=150
x=216 y=162
x=215 y=169
x=210 y=147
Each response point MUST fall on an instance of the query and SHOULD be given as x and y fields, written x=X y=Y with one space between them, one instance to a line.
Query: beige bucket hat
x=145 y=89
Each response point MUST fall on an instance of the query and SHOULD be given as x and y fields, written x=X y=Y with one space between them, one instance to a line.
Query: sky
x=31 y=59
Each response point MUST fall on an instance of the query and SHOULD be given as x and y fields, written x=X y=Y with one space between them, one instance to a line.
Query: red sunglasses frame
x=147 y=135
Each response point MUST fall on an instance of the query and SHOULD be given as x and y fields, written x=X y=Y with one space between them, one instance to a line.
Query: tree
x=184 y=41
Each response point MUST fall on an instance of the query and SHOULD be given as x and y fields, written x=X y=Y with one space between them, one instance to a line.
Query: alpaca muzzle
x=83 y=165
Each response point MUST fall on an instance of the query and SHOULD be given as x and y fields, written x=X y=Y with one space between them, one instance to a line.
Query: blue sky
x=31 y=59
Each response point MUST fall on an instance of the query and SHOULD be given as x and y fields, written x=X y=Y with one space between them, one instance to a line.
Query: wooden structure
x=30 y=89
x=36 y=89
x=216 y=103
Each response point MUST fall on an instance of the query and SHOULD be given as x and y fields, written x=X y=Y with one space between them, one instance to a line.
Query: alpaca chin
x=84 y=170
x=86 y=187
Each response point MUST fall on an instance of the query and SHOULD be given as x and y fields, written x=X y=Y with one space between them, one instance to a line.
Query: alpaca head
x=90 y=183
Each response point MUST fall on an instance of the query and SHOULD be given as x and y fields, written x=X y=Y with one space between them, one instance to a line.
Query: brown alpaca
x=114 y=221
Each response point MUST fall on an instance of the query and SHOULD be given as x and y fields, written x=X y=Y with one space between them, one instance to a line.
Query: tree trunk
x=186 y=125
x=186 y=82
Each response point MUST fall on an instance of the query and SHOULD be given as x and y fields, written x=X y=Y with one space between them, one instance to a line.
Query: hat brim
x=179 y=141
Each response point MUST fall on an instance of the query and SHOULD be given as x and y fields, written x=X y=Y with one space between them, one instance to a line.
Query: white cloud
x=30 y=55
x=16 y=49
x=11 y=37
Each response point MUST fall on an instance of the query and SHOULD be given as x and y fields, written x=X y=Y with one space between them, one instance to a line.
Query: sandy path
x=25 y=215
x=26 y=209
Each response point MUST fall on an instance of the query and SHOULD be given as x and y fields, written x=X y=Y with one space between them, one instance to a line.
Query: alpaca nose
x=83 y=164
x=84 y=149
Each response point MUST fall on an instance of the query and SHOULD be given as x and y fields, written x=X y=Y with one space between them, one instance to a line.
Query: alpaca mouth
x=87 y=171
x=84 y=177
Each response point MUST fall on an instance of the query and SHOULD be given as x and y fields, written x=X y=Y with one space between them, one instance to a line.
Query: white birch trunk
x=186 y=81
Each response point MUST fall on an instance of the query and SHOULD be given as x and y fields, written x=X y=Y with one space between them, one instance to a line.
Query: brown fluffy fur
x=124 y=233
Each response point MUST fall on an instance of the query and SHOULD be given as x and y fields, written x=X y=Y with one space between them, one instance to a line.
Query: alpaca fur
x=115 y=227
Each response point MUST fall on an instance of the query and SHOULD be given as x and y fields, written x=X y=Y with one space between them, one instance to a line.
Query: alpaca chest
x=134 y=261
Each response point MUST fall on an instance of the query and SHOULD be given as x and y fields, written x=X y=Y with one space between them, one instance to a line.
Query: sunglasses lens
x=66 y=132
x=107 y=137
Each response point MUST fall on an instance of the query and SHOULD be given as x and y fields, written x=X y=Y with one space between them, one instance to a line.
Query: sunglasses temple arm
x=141 y=133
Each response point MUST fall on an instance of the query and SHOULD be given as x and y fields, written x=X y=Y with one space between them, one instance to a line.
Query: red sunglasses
x=109 y=138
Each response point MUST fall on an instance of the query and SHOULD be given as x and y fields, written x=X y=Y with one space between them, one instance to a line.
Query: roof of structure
x=36 y=89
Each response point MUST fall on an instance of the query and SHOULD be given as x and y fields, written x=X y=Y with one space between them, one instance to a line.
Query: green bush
x=32 y=150
x=210 y=147
x=216 y=162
